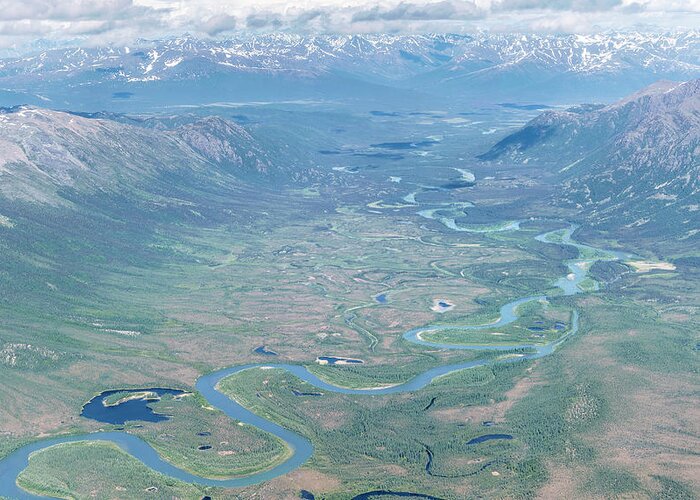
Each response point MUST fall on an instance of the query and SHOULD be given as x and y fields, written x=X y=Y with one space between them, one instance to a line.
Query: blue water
x=388 y=493
x=134 y=409
x=300 y=446
x=578 y=267
x=264 y=351
x=297 y=392
x=381 y=298
x=448 y=214
x=508 y=314
x=488 y=437
x=405 y=145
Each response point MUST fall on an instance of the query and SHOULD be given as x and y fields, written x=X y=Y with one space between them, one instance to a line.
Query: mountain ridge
x=277 y=52
x=43 y=152
x=633 y=163
x=293 y=66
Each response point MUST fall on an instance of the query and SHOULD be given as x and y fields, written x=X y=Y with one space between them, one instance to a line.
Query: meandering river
x=302 y=449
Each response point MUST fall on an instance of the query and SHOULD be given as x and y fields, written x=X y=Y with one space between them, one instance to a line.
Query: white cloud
x=445 y=10
x=216 y=24
x=70 y=10
x=117 y=21
x=557 y=5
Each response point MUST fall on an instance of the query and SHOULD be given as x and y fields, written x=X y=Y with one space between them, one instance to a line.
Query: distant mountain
x=295 y=67
x=570 y=67
x=389 y=56
x=634 y=164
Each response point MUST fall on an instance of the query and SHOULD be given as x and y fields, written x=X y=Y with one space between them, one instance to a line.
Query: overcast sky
x=92 y=22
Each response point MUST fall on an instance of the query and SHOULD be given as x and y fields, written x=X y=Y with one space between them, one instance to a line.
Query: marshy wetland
x=120 y=406
x=339 y=342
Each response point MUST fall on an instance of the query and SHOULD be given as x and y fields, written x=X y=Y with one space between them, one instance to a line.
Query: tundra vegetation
x=145 y=288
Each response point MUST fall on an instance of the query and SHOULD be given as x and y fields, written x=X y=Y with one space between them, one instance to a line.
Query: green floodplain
x=159 y=300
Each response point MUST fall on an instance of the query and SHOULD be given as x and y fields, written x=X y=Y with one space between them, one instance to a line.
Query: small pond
x=489 y=437
x=264 y=351
x=126 y=409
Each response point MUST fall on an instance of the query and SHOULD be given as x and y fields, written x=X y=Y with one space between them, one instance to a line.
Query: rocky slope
x=45 y=153
x=633 y=164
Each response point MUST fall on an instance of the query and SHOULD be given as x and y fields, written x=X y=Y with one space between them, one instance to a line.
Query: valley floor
x=344 y=270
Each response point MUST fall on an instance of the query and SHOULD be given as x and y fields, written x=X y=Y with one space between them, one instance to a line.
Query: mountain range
x=284 y=66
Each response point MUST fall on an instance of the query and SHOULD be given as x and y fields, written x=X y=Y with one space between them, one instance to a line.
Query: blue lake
x=381 y=298
x=489 y=437
x=264 y=351
x=388 y=493
x=131 y=410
